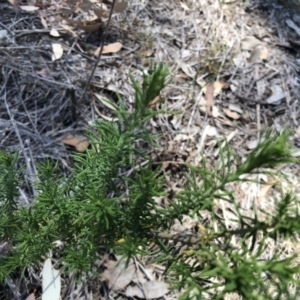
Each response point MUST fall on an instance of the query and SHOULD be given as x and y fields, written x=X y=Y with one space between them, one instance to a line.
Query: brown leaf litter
x=118 y=277
x=203 y=41
x=79 y=142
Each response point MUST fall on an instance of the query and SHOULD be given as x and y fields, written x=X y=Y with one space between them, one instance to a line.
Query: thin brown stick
x=101 y=51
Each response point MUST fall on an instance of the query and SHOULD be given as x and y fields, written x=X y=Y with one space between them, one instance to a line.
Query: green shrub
x=100 y=208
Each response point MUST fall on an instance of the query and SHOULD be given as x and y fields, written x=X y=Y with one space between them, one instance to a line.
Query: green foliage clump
x=108 y=204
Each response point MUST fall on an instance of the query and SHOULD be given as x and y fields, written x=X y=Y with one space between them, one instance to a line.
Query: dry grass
x=202 y=41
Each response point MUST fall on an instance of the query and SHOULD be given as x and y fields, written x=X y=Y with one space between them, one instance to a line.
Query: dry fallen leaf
x=86 y=26
x=141 y=275
x=154 y=101
x=31 y=297
x=148 y=52
x=217 y=87
x=177 y=121
x=239 y=59
x=249 y=43
x=186 y=54
x=211 y=131
x=204 y=108
x=252 y=144
x=184 y=6
x=43 y=21
x=102 y=115
x=54 y=32
x=66 y=12
x=264 y=190
x=85 y=6
x=89 y=27
x=235 y=108
x=117 y=275
x=120 y=6
x=57 y=51
x=100 y=13
x=277 y=95
x=232 y=114
x=29 y=7
x=79 y=142
x=13 y=2
x=209 y=96
x=51 y=282
x=111 y=48
x=260 y=52
x=148 y=290
x=106 y=102
x=69 y=29
x=188 y=70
